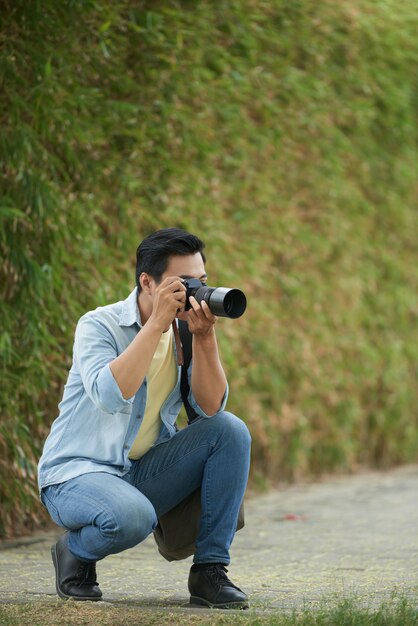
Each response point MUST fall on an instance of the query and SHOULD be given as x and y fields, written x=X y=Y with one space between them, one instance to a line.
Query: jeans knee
x=235 y=428
x=132 y=523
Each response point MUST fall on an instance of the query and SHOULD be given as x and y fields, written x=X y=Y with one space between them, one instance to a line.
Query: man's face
x=185 y=266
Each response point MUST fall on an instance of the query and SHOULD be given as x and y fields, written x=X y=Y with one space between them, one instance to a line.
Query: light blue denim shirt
x=96 y=426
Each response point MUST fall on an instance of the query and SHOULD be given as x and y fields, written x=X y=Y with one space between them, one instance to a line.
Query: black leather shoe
x=74 y=579
x=210 y=586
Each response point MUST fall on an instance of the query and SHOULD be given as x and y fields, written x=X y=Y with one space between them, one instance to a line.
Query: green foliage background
x=284 y=132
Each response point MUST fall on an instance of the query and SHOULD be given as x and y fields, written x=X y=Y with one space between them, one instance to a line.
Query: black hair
x=155 y=250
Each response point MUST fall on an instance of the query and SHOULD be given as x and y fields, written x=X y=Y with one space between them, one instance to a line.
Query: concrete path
x=353 y=536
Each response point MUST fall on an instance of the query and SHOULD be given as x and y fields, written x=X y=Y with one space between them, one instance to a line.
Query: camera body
x=222 y=301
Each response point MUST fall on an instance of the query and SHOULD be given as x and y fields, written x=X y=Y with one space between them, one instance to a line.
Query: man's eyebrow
x=204 y=276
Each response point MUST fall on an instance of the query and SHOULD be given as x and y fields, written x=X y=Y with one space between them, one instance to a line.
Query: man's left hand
x=200 y=319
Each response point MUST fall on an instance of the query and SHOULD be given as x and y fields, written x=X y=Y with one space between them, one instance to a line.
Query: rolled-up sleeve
x=94 y=349
x=193 y=402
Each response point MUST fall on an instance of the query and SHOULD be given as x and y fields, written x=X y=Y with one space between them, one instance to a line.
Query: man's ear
x=145 y=282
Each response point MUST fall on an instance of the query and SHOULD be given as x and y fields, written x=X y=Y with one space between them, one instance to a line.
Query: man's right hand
x=169 y=299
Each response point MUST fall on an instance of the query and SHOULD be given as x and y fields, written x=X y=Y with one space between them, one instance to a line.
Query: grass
x=396 y=612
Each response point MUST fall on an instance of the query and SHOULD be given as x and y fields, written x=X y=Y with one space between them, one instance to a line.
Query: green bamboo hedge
x=284 y=133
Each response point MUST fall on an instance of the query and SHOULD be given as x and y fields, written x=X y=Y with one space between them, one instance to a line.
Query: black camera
x=221 y=301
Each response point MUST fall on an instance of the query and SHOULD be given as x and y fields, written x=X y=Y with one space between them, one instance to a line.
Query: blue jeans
x=106 y=514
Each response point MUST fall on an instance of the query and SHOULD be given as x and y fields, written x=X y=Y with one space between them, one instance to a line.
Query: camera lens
x=227 y=302
x=234 y=303
x=222 y=302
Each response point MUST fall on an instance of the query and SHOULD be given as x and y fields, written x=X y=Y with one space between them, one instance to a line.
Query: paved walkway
x=348 y=536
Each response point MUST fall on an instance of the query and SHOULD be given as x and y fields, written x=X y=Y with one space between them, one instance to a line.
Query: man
x=114 y=461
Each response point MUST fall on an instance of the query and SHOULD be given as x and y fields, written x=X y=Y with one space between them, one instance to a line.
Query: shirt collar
x=130 y=310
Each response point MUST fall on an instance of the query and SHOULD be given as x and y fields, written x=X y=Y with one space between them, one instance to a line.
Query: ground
x=302 y=547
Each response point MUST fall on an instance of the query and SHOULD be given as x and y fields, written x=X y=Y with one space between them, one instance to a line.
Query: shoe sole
x=61 y=594
x=229 y=605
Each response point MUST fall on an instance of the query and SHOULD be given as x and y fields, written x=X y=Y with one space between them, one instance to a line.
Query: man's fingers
x=201 y=313
x=208 y=313
x=172 y=285
x=194 y=304
x=202 y=309
x=172 y=279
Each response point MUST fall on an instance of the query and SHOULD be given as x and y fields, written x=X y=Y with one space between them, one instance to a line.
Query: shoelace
x=86 y=574
x=219 y=577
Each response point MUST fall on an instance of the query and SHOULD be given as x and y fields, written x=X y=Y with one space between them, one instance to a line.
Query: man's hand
x=200 y=319
x=131 y=366
x=169 y=300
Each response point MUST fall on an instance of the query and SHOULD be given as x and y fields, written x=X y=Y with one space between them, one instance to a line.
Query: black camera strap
x=186 y=340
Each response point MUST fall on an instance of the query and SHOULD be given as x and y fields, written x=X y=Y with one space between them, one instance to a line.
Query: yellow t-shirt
x=161 y=380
